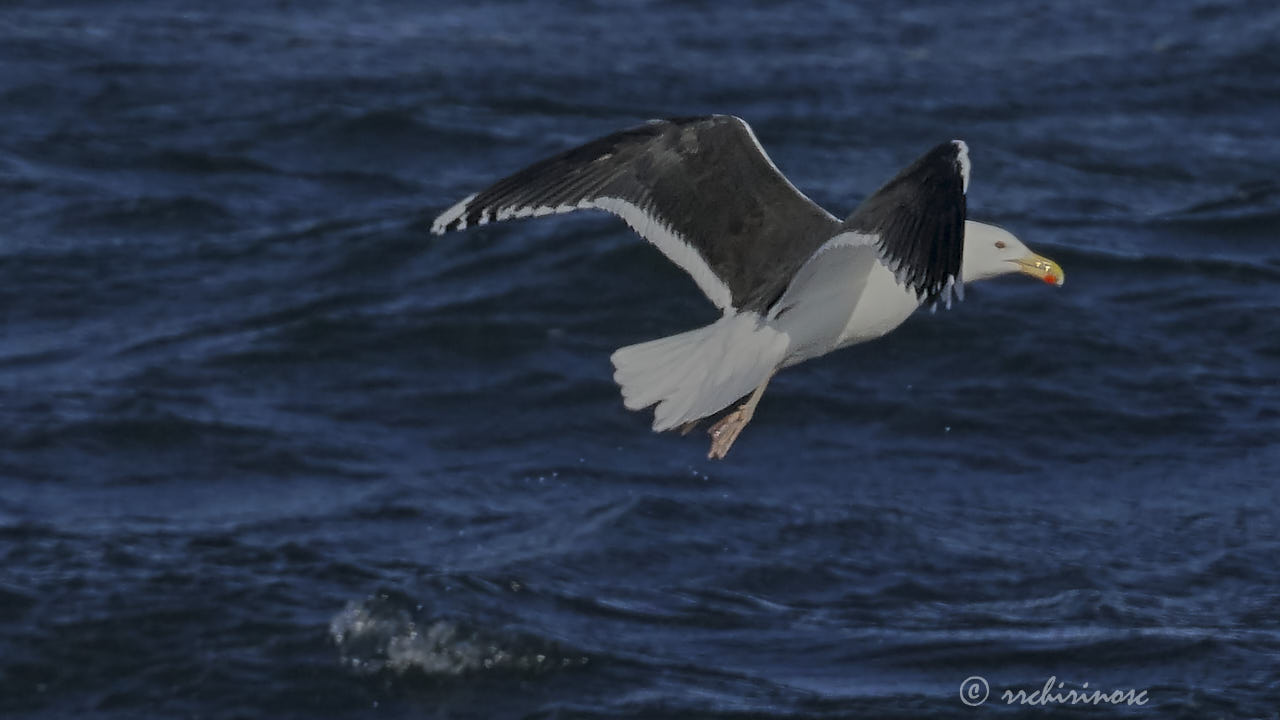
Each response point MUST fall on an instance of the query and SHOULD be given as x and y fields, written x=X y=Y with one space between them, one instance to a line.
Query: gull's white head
x=990 y=251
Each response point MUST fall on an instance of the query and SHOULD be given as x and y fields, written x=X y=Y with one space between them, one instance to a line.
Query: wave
x=389 y=632
x=110 y=431
x=178 y=213
x=203 y=163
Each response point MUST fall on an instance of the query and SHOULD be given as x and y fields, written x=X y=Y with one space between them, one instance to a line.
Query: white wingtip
x=448 y=217
x=962 y=159
x=952 y=292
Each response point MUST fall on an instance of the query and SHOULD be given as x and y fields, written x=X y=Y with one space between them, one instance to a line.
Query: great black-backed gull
x=793 y=281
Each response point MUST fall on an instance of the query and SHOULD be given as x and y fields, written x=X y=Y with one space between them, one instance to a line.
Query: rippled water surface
x=269 y=449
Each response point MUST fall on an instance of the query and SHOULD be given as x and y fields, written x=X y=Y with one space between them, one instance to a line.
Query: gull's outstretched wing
x=700 y=189
x=913 y=226
x=916 y=223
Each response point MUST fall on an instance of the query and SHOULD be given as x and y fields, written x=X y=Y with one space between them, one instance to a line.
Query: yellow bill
x=1038 y=266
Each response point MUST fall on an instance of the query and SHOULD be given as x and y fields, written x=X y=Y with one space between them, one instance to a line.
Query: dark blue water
x=269 y=449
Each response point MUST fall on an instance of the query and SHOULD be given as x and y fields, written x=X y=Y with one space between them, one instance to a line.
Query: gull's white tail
x=700 y=372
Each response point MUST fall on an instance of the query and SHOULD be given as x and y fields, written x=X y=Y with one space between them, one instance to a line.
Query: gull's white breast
x=882 y=306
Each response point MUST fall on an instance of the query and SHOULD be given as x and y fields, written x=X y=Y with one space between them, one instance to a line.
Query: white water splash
x=381 y=634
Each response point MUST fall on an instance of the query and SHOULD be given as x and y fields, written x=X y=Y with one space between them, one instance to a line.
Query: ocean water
x=270 y=449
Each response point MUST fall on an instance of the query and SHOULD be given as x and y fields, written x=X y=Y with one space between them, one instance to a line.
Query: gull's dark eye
x=1000 y=244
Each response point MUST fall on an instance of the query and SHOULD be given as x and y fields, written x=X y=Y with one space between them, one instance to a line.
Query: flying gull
x=794 y=282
